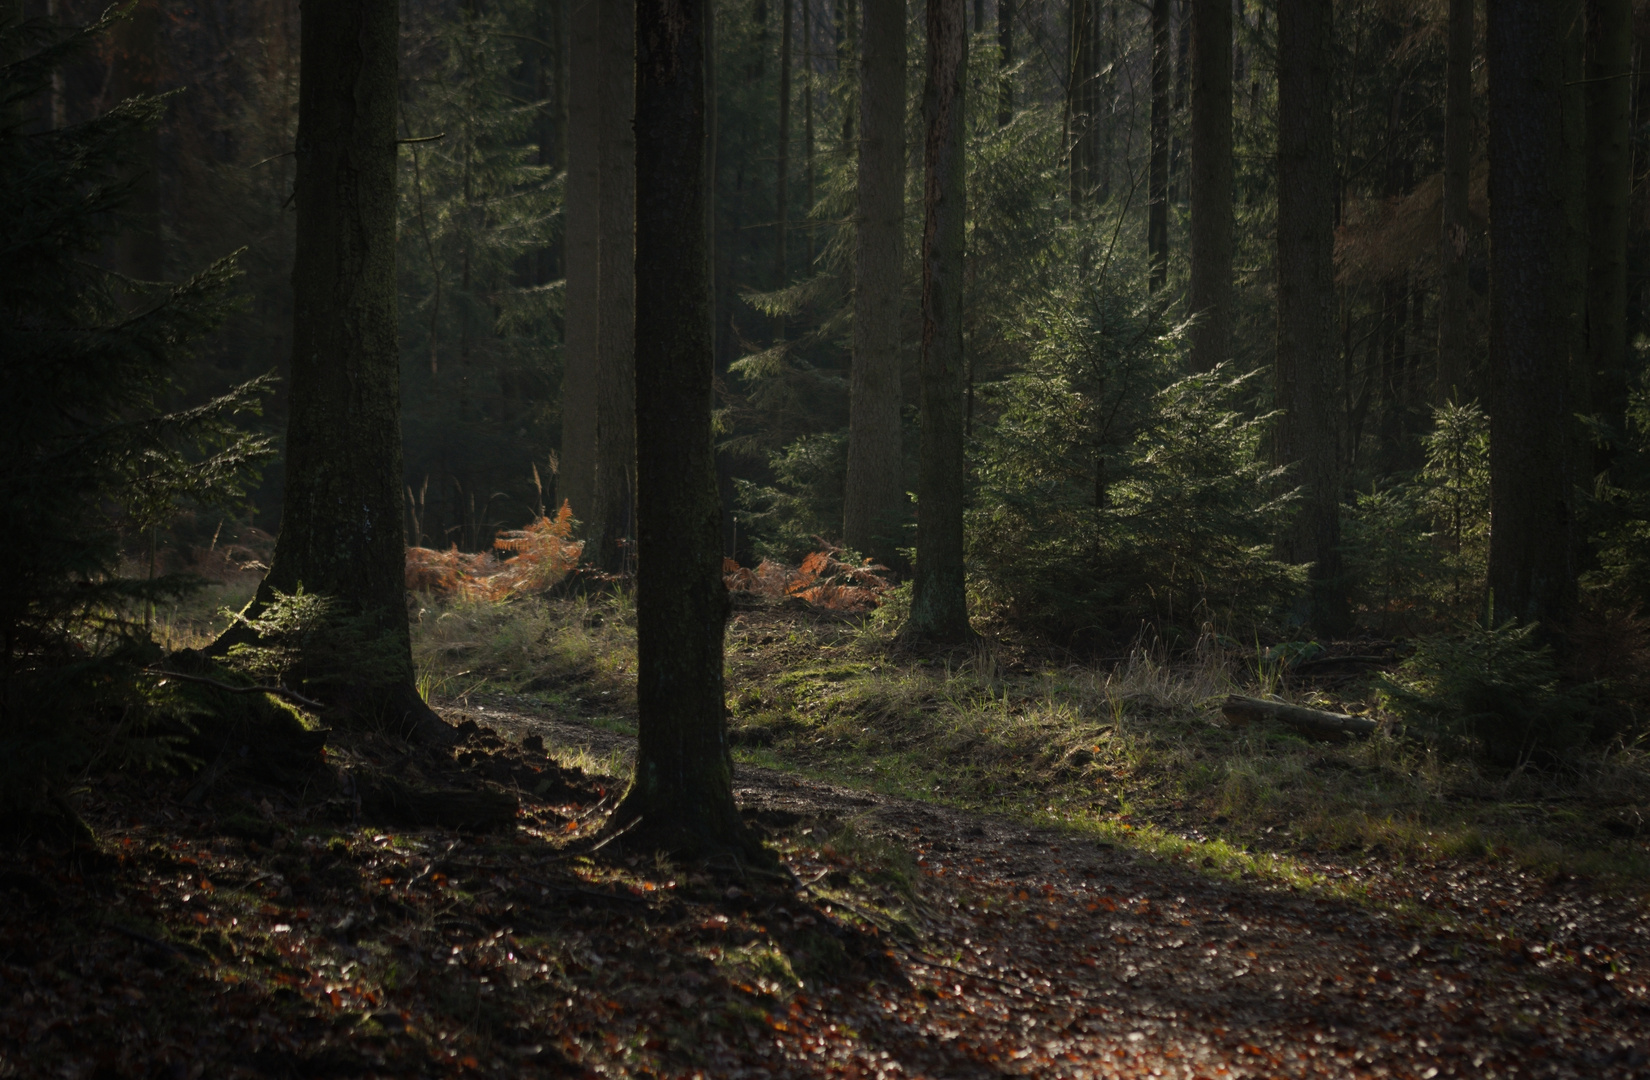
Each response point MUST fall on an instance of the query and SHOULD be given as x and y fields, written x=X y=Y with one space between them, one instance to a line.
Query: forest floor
x=1055 y=904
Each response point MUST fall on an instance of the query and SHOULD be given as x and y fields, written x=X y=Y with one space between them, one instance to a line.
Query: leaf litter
x=269 y=932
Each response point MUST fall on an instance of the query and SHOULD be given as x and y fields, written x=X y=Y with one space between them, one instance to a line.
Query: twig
x=145 y=939
x=574 y=890
x=1004 y=983
x=279 y=691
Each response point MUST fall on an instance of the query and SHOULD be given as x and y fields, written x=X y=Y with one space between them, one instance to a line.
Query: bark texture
x=612 y=523
x=341 y=510
x=1307 y=431
x=874 y=502
x=576 y=472
x=1005 y=61
x=782 y=167
x=1609 y=171
x=1454 y=297
x=134 y=71
x=1083 y=105
x=939 y=605
x=1532 y=557
x=1157 y=178
x=683 y=790
x=1210 y=297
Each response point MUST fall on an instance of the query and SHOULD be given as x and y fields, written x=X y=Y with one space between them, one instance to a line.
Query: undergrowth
x=1134 y=751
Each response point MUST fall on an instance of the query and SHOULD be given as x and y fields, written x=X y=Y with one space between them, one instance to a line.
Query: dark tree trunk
x=341 y=511
x=1308 y=428
x=1609 y=170
x=683 y=790
x=613 y=511
x=1182 y=87
x=1157 y=180
x=808 y=174
x=1083 y=105
x=581 y=349
x=939 y=605
x=1454 y=295
x=134 y=71
x=1532 y=555
x=846 y=42
x=782 y=178
x=1005 y=60
x=874 y=503
x=1210 y=296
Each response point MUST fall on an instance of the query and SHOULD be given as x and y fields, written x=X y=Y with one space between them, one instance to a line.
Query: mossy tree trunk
x=1532 y=559
x=1157 y=178
x=1454 y=292
x=576 y=473
x=611 y=528
x=874 y=501
x=683 y=790
x=939 y=601
x=1005 y=61
x=1609 y=186
x=1210 y=295
x=341 y=532
x=1307 y=431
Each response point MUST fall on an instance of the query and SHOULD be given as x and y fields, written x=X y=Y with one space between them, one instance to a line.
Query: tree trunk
x=1182 y=88
x=612 y=531
x=1314 y=723
x=134 y=71
x=1211 y=286
x=1157 y=180
x=1083 y=106
x=581 y=351
x=1308 y=428
x=1609 y=169
x=341 y=531
x=939 y=604
x=1005 y=60
x=1532 y=558
x=874 y=502
x=846 y=42
x=1454 y=296
x=683 y=790
x=782 y=178
x=808 y=173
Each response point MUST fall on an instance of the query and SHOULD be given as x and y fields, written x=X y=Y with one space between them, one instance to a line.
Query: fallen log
x=1315 y=723
x=479 y=810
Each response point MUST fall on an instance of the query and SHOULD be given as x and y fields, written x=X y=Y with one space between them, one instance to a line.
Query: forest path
x=1041 y=952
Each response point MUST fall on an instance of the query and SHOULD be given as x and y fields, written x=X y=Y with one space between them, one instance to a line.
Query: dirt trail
x=1044 y=953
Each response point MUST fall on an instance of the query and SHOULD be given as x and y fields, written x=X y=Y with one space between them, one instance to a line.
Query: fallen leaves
x=429 y=952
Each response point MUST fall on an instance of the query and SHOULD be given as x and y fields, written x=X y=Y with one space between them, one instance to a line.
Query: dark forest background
x=1105 y=488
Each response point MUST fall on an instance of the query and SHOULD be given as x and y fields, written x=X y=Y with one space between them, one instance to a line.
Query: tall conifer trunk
x=581 y=350
x=683 y=790
x=1609 y=168
x=939 y=604
x=1307 y=431
x=782 y=178
x=134 y=71
x=1454 y=296
x=1532 y=557
x=1210 y=296
x=341 y=533
x=1005 y=61
x=611 y=527
x=1157 y=180
x=874 y=503
x=1083 y=105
